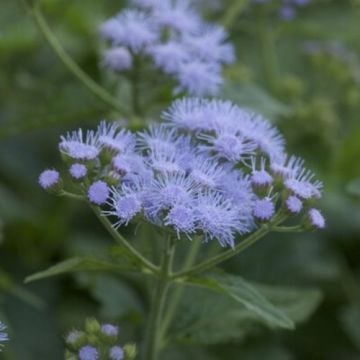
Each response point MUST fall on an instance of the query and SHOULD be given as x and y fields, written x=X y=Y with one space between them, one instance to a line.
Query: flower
x=98 y=192
x=78 y=146
x=260 y=178
x=49 y=178
x=3 y=334
x=302 y=185
x=116 y=353
x=293 y=204
x=78 y=171
x=73 y=336
x=131 y=28
x=315 y=219
x=199 y=78
x=125 y=203
x=217 y=217
x=118 y=59
x=177 y=15
x=182 y=218
x=110 y=330
x=88 y=352
x=264 y=209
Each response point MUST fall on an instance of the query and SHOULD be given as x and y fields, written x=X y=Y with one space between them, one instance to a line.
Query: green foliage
x=313 y=97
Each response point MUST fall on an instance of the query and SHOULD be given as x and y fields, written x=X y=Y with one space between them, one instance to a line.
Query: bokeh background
x=302 y=73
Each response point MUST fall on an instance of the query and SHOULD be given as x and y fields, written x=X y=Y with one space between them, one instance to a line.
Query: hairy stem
x=69 y=63
x=146 y=264
x=153 y=335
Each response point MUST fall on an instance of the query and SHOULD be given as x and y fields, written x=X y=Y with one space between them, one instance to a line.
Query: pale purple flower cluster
x=172 y=34
x=210 y=168
x=288 y=8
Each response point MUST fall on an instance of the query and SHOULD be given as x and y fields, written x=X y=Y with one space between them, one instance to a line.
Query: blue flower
x=182 y=218
x=125 y=203
x=209 y=45
x=199 y=78
x=177 y=15
x=98 y=192
x=78 y=171
x=110 y=330
x=293 y=204
x=49 y=178
x=264 y=209
x=315 y=219
x=117 y=59
x=80 y=146
x=116 y=353
x=217 y=217
x=131 y=28
x=88 y=352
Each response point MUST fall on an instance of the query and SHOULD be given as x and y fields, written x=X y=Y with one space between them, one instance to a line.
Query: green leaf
x=247 y=295
x=298 y=304
x=75 y=265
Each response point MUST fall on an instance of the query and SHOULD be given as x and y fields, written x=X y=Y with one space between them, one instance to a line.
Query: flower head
x=88 y=353
x=316 y=219
x=293 y=204
x=264 y=209
x=49 y=178
x=199 y=78
x=110 y=330
x=78 y=171
x=131 y=28
x=117 y=59
x=116 y=353
x=98 y=192
x=80 y=146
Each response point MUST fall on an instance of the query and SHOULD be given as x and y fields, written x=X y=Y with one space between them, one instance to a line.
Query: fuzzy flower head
x=131 y=28
x=264 y=209
x=98 y=192
x=117 y=59
x=110 y=330
x=116 y=353
x=88 y=353
x=49 y=178
x=316 y=219
x=80 y=146
x=78 y=171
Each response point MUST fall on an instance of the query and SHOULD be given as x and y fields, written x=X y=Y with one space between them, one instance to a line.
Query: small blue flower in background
x=88 y=352
x=3 y=335
x=116 y=353
x=172 y=35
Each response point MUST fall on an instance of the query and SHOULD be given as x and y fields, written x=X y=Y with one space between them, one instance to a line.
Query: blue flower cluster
x=172 y=34
x=209 y=168
x=3 y=334
x=288 y=8
x=97 y=341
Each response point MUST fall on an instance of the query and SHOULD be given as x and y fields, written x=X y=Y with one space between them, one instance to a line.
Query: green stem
x=287 y=229
x=71 y=195
x=176 y=295
x=76 y=70
x=135 y=85
x=217 y=259
x=123 y=242
x=153 y=335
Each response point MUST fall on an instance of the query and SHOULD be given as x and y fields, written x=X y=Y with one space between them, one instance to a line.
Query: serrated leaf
x=247 y=295
x=75 y=265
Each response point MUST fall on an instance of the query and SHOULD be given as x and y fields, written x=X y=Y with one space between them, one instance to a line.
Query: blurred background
x=298 y=67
